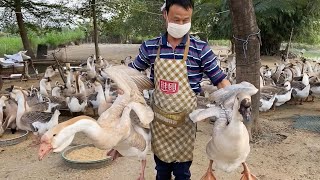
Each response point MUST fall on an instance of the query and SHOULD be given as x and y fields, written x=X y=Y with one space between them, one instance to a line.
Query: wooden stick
x=289 y=43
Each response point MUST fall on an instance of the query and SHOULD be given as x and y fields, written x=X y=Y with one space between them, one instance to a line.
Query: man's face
x=178 y=15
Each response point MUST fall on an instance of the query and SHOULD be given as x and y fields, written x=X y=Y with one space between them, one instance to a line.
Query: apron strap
x=186 y=50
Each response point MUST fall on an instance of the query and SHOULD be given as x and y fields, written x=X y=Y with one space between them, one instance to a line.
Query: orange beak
x=45 y=149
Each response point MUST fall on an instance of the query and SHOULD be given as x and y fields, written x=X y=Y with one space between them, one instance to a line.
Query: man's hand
x=224 y=83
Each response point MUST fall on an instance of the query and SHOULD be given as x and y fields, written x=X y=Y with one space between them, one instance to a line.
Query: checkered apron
x=173 y=133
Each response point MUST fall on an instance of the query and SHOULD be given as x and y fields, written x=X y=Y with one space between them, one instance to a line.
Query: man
x=177 y=62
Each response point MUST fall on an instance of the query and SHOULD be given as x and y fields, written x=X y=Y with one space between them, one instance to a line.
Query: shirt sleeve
x=142 y=61
x=210 y=66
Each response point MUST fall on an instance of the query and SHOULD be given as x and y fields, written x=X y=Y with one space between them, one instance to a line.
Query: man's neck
x=174 y=41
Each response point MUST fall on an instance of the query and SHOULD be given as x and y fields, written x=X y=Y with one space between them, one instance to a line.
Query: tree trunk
x=95 y=28
x=22 y=29
x=247 y=61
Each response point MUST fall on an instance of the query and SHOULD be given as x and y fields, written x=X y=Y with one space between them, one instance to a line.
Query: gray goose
x=25 y=117
x=301 y=89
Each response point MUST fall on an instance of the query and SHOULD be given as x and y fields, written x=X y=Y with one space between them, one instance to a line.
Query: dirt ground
x=279 y=153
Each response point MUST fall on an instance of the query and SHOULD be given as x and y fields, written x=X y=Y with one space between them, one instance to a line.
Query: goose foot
x=114 y=154
x=307 y=99
x=301 y=101
x=209 y=174
x=143 y=167
x=246 y=173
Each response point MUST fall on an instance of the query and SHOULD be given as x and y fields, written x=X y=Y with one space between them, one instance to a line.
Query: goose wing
x=124 y=76
x=316 y=84
x=35 y=116
x=61 y=101
x=224 y=94
x=144 y=113
x=201 y=114
x=266 y=96
x=41 y=106
x=93 y=96
x=298 y=85
x=81 y=97
x=130 y=80
x=270 y=89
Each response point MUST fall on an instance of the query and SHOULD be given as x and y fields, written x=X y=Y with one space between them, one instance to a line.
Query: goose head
x=96 y=87
x=50 y=71
x=287 y=85
x=244 y=106
x=55 y=140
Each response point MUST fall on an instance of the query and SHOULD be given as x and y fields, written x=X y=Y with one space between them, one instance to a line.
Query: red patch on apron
x=168 y=87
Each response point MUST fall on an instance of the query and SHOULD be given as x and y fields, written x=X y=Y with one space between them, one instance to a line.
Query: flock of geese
x=296 y=80
x=113 y=92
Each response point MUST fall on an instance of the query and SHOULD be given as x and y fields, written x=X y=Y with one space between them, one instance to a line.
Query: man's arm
x=211 y=68
x=142 y=61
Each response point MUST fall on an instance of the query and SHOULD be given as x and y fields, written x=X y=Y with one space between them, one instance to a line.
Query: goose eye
x=54 y=135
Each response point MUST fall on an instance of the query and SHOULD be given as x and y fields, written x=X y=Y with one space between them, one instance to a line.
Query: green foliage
x=219 y=42
x=275 y=18
x=39 y=14
x=13 y=44
x=56 y=38
x=10 y=44
x=134 y=21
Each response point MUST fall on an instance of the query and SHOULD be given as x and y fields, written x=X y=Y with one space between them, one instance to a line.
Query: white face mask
x=178 y=30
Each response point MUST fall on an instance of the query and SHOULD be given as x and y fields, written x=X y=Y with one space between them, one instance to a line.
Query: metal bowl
x=84 y=164
x=14 y=141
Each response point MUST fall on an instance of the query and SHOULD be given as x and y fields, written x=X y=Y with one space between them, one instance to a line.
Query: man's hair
x=184 y=3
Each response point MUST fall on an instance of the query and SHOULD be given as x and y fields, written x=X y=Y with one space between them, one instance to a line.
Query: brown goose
x=9 y=113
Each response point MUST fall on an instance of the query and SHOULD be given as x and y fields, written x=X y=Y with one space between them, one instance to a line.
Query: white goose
x=69 y=83
x=315 y=90
x=98 y=99
x=78 y=102
x=266 y=101
x=229 y=145
x=301 y=89
x=40 y=127
x=114 y=129
x=45 y=86
x=282 y=94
